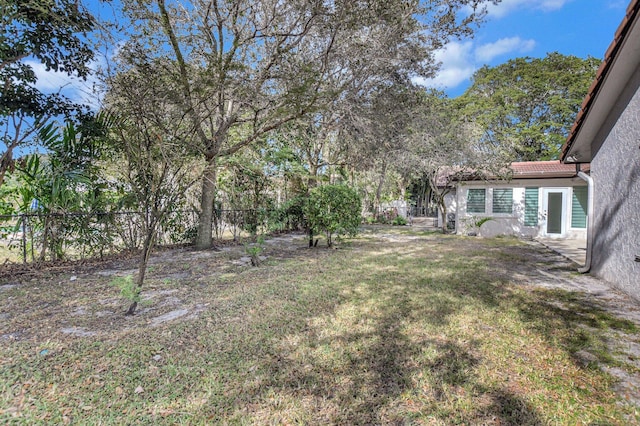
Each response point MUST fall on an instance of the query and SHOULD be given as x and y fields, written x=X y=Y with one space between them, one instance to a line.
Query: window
x=475 y=200
x=530 y=206
x=579 y=207
x=503 y=201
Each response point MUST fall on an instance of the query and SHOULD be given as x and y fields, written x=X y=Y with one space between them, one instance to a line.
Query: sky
x=513 y=28
x=519 y=28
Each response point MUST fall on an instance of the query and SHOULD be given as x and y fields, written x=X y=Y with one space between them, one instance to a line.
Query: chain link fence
x=35 y=237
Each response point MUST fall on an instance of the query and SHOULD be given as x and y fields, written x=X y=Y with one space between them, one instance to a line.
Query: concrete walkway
x=424 y=222
x=573 y=249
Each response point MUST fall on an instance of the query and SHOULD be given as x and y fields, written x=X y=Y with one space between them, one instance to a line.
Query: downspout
x=587 y=263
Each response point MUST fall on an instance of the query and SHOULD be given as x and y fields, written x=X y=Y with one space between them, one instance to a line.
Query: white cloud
x=618 y=4
x=549 y=5
x=457 y=66
x=505 y=7
x=460 y=60
x=76 y=89
x=48 y=81
x=488 y=52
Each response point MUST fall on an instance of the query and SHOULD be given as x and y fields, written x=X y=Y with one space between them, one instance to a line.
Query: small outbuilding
x=540 y=199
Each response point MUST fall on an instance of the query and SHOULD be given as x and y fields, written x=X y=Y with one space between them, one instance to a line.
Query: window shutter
x=475 y=200
x=503 y=201
x=531 y=206
x=579 y=207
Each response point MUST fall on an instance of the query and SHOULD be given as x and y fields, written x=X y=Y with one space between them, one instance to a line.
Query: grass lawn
x=394 y=327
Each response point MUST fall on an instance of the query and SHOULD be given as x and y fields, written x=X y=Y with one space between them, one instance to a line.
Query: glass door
x=554 y=212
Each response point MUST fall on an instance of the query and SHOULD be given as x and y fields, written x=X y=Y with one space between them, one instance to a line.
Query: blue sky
x=517 y=28
x=514 y=28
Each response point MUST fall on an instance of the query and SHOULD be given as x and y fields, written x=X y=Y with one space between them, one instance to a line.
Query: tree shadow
x=454 y=367
x=326 y=372
x=361 y=376
x=615 y=227
x=576 y=322
x=374 y=368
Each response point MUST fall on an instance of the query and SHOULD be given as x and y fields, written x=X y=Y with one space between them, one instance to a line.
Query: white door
x=554 y=210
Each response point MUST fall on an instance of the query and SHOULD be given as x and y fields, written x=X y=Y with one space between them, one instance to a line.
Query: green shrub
x=399 y=220
x=254 y=250
x=287 y=217
x=479 y=222
x=333 y=209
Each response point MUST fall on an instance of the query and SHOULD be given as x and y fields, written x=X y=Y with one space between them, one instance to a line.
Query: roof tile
x=543 y=169
x=632 y=10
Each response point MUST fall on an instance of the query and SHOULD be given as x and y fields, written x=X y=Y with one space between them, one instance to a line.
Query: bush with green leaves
x=66 y=186
x=288 y=217
x=399 y=220
x=254 y=250
x=333 y=210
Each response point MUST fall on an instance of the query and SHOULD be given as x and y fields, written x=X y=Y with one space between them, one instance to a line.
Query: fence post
x=24 y=239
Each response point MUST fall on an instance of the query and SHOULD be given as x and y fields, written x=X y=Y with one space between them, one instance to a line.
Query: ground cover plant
x=394 y=327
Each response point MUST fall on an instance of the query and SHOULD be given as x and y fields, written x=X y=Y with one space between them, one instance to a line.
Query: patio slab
x=573 y=249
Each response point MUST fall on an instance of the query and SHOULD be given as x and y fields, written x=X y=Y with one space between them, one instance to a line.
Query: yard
x=397 y=326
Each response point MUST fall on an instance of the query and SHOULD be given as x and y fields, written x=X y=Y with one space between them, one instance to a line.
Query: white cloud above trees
x=76 y=89
x=459 y=60
x=488 y=52
x=456 y=65
x=505 y=7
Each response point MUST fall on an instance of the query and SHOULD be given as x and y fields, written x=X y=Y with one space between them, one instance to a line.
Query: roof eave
x=621 y=60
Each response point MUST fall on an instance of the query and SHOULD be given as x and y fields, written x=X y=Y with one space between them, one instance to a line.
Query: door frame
x=563 y=213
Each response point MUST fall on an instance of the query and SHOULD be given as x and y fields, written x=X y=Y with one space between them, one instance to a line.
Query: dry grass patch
x=394 y=327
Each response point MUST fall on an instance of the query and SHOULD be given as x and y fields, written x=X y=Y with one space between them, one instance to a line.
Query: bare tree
x=148 y=136
x=242 y=68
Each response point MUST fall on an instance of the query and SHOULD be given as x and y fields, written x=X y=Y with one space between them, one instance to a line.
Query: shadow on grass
x=363 y=366
x=575 y=321
x=377 y=345
x=371 y=339
x=379 y=334
x=452 y=372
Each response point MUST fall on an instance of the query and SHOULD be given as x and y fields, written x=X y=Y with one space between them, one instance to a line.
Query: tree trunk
x=443 y=212
x=6 y=162
x=313 y=182
x=438 y=196
x=376 y=201
x=142 y=267
x=204 y=240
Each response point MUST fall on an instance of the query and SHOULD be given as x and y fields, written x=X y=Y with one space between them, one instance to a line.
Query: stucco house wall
x=615 y=170
x=514 y=223
x=606 y=133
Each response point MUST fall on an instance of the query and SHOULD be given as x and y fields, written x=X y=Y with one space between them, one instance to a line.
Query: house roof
x=544 y=169
x=621 y=60
x=535 y=170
